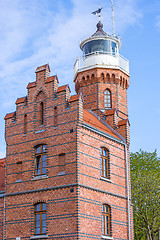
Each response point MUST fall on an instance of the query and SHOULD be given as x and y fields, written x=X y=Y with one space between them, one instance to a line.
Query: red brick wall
x=72 y=188
x=93 y=89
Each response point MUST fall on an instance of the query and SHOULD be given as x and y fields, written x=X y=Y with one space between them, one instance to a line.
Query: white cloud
x=38 y=32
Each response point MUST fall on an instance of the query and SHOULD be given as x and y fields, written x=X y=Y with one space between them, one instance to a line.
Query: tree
x=145 y=180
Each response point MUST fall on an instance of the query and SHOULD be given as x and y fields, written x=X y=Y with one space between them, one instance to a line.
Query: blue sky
x=35 y=32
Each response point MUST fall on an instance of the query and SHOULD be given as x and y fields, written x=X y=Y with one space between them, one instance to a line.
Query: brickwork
x=2 y=188
x=94 y=82
x=73 y=187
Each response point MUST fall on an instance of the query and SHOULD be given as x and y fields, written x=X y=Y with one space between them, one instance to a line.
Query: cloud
x=44 y=31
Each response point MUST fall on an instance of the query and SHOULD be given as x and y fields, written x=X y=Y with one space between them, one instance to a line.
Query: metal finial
x=98 y=12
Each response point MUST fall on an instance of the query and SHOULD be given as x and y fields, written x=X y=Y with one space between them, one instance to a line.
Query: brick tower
x=67 y=157
x=102 y=75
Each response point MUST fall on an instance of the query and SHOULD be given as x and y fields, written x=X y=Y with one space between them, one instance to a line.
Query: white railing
x=103 y=60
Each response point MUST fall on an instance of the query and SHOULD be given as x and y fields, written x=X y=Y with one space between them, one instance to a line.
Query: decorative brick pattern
x=72 y=188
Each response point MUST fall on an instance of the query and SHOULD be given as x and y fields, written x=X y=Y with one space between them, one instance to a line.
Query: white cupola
x=101 y=51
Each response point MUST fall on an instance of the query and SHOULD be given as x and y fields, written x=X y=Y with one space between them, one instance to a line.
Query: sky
x=36 y=32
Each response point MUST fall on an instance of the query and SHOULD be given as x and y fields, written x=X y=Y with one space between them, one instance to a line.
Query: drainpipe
x=128 y=205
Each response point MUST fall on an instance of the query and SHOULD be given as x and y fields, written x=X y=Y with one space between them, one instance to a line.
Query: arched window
x=40 y=218
x=40 y=160
x=108 y=77
x=120 y=81
x=113 y=78
x=107 y=99
x=41 y=113
x=106 y=221
x=102 y=76
x=55 y=116
x=40 y=108
x=25 y=123
x=87 y=77
x=104 y=162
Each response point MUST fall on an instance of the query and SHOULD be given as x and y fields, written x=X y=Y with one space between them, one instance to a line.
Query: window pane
x=44 y=170
x=37 y=230
x=37 y=208
x=38 y=162
x=105 y=153
x=102 y=224
x=106 y=167
x=44 y=164
x=38 y=171
x=44 y=148
x=106 y=209
x=43 y=229
x=101 y=167
x=106 y=225
x=37 y=224
x=102 y=208
x=44 y=157
x=37 y=217
x=38 y=150
x=44 y=223
x=43 y=206
x=44 y=216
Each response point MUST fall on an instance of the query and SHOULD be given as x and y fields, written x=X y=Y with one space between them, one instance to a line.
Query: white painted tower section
x=102 y=51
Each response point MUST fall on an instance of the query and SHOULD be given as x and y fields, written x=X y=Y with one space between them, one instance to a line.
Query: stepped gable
x=42 y=68
x=90 y=119
x=51 y=79
x=21 y=100
x=62 y=88
x=9 y=115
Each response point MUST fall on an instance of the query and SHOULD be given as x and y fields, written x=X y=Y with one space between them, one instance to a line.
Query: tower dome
x=101 y=50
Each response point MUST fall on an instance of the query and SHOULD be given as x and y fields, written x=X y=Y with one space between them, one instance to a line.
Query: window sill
x=61 y=173
x=106 y=179
x=18 y=181
x=107 y=237
x=40 y=131
x=39 y=237
x=39 y=177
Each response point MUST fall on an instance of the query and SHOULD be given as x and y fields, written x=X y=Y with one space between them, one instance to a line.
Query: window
x=25 y=123
x=104 y=163
x=107 y=99
x=102 y=76
x=106 y=223
x=40 y=218
x=41 y=113
x=55 y=116
x=40 y=160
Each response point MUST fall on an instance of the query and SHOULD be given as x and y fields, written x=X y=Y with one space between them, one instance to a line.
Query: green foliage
x=145 y=180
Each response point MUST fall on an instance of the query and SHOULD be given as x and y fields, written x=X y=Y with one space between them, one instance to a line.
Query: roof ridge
x=107 y=125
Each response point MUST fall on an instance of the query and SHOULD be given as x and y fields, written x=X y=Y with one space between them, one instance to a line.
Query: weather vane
x=98 y=12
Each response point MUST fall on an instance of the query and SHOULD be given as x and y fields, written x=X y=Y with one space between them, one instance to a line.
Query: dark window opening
x=40 y=160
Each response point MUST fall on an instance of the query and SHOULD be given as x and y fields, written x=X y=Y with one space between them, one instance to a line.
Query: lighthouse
x=103 y=72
